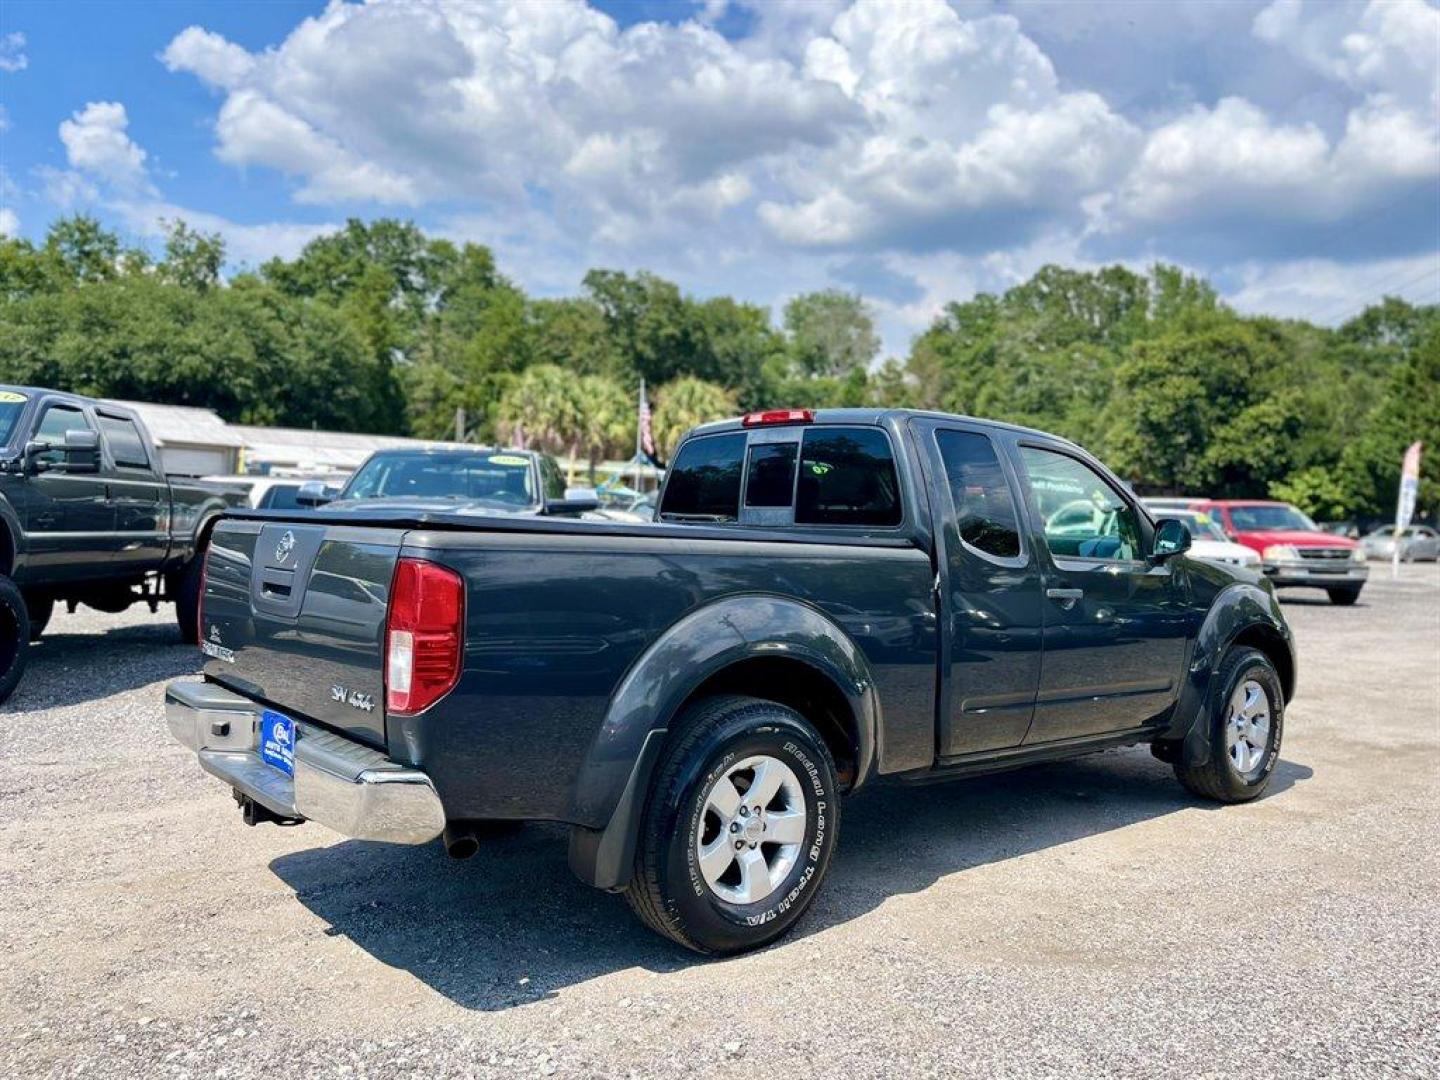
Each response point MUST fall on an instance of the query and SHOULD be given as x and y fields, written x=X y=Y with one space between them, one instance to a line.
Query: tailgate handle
x=277 y=583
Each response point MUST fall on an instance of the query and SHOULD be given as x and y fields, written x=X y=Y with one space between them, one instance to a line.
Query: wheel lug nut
x=744 y=811
x=739 y=844
x=734 y=826
x=752 y=845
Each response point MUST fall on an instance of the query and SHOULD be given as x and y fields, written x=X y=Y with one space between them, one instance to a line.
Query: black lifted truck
x=89 y=517
x=828 y=599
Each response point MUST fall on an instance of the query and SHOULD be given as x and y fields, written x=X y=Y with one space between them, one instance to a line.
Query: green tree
x=831 y=333
x=684 y=403
x=542 y=408
x=607 y=418
x=192 y=259
x=1201 y=412
x=82 y=249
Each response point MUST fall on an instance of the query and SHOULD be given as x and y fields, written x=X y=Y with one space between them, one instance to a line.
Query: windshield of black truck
x=504 y=479
x=11 y=406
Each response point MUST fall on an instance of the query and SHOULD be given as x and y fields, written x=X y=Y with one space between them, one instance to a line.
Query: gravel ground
x=1080 y=918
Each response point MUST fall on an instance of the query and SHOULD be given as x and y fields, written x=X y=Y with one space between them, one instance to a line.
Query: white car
x=1208 y=539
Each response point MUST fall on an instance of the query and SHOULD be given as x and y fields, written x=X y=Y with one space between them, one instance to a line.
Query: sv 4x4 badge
x=354 y=698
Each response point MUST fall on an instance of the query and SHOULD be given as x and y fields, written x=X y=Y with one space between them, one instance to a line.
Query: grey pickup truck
x=88 y=516
x=827 y=599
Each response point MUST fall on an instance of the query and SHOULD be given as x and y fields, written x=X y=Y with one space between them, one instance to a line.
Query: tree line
x=379 y=328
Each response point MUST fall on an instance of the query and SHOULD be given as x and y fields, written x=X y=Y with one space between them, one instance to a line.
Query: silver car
x=1418 y=543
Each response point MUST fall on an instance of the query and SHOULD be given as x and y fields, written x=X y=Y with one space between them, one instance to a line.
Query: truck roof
x=877 y=416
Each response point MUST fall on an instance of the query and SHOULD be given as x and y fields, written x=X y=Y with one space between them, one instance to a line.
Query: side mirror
x=80 y=453
x=1172 y=537
x=313 y=493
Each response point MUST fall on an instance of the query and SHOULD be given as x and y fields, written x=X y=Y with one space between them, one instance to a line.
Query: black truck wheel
x=40 y=610
x=1343 y=597
x=14 y=637
x=185 y=586
x=1247 y=722
x=739 y=827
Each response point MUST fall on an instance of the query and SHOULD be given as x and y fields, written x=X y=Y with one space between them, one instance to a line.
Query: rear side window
x=771 y=480
x=551 y=478
x=847 y=477
x=281 y=497
x=126 y=446
x=984 y=510
x=704 y=479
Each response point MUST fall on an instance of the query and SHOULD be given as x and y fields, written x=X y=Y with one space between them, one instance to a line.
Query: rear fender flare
x=1236 y=609
x=615 y=776
x=12 y=543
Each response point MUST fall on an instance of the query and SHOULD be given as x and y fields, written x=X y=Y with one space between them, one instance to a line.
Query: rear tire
x=1245 y=695
x=1343 y=597
x=14 y=637
x=187 y=583
x=40 y=612
x=703 y=848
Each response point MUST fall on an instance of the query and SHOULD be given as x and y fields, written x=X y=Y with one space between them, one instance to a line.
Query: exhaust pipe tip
x=461 y=843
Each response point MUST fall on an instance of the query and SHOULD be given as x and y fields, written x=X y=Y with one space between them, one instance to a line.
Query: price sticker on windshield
x=508 y=459
x=10 y=397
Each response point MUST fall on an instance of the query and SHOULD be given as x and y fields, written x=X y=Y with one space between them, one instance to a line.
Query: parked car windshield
x=1260 y=518
x=1201 y=526
x=505 y=479
x=11 y=406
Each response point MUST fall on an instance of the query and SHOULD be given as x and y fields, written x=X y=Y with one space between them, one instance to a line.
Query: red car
x=1293 y=550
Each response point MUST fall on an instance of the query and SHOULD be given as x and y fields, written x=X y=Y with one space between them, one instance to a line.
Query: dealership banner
x=1409 y=487
x=1405 y=504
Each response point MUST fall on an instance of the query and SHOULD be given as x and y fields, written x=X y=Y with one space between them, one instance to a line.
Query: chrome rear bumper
x=353 y=789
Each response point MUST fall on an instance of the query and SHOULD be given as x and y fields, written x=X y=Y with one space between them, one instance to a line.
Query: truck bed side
x=555 y=619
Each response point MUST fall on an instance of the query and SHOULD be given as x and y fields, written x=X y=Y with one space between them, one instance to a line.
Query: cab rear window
x=704 y=481
x=843 y=476
x=847 y=477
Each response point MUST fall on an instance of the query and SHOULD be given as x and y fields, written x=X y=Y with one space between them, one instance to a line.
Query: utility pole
x=459 y=423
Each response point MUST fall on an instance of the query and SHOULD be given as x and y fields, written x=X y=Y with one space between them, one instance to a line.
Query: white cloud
x=12 y=52
x=1233 y=152
x=96 y=143
x=1329 y=292
x=245 y=244
x=255 y=131
x=209 y=56
x=9 y=223
x=1388 y=47
x=66 y=188
x=925 y=148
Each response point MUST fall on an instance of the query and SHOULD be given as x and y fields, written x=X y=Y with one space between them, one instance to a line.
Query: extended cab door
x=137 y=491
x=68 y=521
x=1115 y=621
x=990 y=590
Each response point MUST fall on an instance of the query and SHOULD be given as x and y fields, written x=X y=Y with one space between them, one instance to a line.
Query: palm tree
x=607 y=417
x=685 y=402
x=542 y=406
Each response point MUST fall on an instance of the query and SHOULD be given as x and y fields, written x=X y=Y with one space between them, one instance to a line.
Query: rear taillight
x=424 y=635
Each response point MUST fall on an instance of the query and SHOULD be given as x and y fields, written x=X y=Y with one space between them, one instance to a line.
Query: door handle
x=1065 y=597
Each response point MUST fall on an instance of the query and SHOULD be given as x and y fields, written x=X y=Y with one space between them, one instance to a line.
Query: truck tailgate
x=294 y=615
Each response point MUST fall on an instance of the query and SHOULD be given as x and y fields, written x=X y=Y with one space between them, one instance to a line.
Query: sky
x=914 y=151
